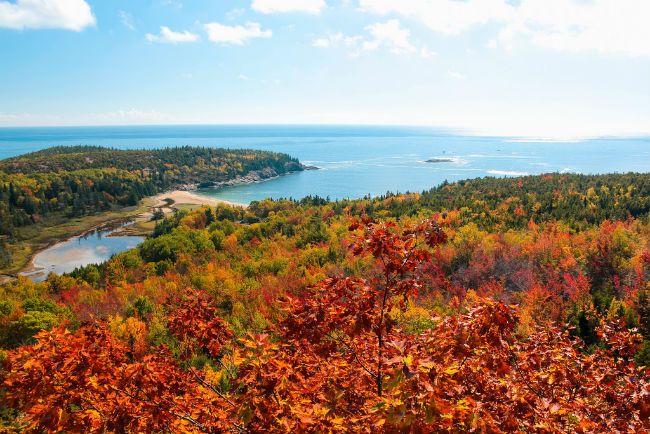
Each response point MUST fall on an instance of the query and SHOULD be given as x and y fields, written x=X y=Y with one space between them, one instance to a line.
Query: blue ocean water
x=356 y=161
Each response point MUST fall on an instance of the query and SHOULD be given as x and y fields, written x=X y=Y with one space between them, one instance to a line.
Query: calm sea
x=357 y=160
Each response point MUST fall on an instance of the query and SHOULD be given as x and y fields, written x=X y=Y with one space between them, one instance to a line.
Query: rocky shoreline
x=253 y=177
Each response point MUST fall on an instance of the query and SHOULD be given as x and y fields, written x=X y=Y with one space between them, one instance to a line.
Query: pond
x=91 y=248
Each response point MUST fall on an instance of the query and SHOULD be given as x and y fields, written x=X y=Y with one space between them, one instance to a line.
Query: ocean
x=356 y=161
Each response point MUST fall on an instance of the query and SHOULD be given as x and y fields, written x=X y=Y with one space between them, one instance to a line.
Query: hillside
x=511 y=305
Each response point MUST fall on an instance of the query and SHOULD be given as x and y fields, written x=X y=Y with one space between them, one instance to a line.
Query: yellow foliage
x=132 y=331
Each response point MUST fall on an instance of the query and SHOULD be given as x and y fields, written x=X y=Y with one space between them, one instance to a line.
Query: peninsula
x=59 y=192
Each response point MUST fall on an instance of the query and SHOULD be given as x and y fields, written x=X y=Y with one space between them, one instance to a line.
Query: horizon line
x=450 y=129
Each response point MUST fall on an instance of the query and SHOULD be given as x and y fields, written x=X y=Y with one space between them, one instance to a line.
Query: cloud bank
x=609 y=26
x=235 y=35
x=73 y=15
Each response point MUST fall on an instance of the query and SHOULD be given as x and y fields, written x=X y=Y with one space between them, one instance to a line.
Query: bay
x=356 y=161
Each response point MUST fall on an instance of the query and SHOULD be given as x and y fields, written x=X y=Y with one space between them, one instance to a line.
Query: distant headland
x=439 y=160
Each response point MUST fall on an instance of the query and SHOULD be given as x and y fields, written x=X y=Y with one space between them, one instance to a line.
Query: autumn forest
x=487 y=305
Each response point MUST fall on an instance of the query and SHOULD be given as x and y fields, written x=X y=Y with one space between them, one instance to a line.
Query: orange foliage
x=339 y=362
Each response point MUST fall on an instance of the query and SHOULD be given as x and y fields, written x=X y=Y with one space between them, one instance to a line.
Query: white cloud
x=611 y=26
x=444 y=16
x=243 y=77
x=235 y=35
x=337 y=40
x=168 y=36
x=46 y=14
x=127 y=20
x=280 y=6
x=389 y=35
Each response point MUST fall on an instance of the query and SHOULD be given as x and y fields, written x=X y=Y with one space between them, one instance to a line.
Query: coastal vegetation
x=579 y=201
x=44 y=190
x=490 y=305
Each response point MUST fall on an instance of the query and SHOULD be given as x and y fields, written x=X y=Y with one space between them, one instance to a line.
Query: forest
x=490 y=305
x=83 y=180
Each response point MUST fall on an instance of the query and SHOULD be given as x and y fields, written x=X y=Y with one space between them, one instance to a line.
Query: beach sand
x=180 y=197
x=167 y=203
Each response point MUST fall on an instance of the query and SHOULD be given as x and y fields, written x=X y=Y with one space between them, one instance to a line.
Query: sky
x=507 y=67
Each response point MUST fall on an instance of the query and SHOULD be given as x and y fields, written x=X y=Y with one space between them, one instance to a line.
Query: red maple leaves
x=198 y=327
x=338 y=362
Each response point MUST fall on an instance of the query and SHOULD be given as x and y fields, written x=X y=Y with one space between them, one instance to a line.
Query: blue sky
x=526 y=67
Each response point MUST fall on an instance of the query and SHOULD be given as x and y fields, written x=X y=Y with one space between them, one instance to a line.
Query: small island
x=439 y=160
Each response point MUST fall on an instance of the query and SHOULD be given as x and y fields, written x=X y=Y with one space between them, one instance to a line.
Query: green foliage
x=142 y=307
x=6 y=307
x=22 y=330
x=90 y=274
x=40 y=305
x=314 y=233
x=169 y=246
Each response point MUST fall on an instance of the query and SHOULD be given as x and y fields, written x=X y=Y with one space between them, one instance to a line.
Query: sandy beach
x=181 y=197
x=167 y=203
